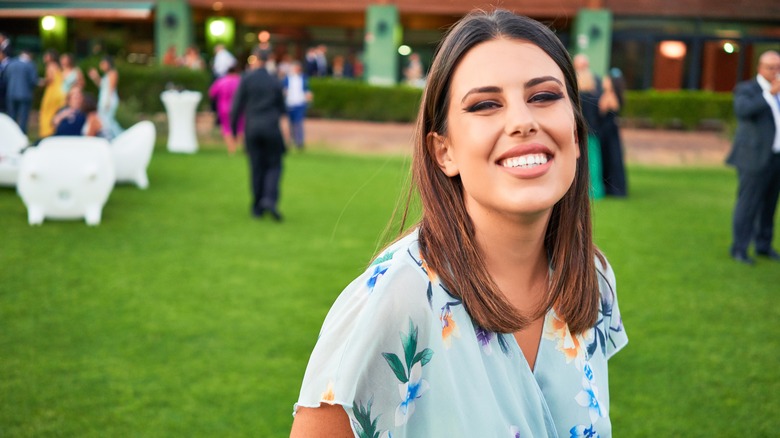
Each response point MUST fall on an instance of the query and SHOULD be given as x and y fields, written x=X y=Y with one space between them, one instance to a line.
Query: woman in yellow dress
x=53 y=98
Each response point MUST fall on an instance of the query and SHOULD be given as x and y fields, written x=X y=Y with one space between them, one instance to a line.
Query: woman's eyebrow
x=536 y=81
x=487 y=89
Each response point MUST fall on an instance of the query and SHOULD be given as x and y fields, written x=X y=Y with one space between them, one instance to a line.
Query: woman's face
x=75 y=99
x=511 y=131
x=103 y=65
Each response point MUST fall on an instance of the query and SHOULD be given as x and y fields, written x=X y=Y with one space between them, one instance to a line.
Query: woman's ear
x=442 y=152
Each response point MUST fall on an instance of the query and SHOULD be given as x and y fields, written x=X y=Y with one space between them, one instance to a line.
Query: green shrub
x=688 y=109
x=351 y=99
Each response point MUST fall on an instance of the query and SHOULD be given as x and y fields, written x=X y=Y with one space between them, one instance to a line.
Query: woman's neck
x=515 y=255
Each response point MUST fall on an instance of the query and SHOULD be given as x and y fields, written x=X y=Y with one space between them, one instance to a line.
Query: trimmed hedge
x=353 y=99
x=687 y=109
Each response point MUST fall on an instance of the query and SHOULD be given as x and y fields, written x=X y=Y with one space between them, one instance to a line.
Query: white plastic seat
x=132 y=152
x=180 y=106
x=66 y=177
x=12 y=141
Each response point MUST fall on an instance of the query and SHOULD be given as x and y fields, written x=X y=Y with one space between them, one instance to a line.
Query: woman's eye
x=484 y=105
x=546 y=96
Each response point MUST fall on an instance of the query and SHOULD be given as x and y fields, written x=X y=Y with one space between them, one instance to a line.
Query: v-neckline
x=539 y=344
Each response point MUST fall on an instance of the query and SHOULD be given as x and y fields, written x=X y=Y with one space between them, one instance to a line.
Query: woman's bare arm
x=325 y=421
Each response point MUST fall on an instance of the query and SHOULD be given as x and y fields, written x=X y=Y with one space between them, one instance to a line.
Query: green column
x=383 y=35
x=172 y=26
x=593 y=37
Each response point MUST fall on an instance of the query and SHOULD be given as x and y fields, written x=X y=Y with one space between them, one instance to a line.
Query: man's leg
x=272 y=175
x=749 y=194
x=766 y=213
x=256 y=176
x=24 y=114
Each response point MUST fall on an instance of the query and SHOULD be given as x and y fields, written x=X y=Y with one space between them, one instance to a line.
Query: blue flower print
x=484 y=337
x=588 y=372
x=608 y=312
x=379 y=271
x=410 y=391
x=583 y=432
x=412 y=385
x=589 y=396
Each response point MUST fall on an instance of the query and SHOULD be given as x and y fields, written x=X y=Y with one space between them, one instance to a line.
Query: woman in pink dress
x=222 y=91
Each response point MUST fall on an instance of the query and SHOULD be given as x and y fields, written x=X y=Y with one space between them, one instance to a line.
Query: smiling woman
x=495 y=315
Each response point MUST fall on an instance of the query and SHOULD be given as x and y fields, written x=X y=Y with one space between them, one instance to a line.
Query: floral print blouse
x=404 y=359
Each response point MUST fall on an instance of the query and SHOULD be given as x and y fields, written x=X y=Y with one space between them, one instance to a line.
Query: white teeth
x=531 y=160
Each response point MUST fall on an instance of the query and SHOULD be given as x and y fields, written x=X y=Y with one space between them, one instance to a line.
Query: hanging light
x=673 y=49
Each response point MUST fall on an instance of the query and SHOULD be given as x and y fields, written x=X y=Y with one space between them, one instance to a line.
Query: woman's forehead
x=505 y=60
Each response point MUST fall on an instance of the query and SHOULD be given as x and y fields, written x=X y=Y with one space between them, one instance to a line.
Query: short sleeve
x=367 y=340
x=616 y=333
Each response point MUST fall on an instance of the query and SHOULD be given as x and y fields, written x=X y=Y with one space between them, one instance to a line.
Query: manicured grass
x=182 y=316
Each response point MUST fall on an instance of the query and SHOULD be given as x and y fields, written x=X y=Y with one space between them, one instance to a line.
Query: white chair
x=132 y=152
x=180 y=106
x=66 y=177
x=12 y=141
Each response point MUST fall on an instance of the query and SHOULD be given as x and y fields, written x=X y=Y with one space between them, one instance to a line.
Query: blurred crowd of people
x=65 y=107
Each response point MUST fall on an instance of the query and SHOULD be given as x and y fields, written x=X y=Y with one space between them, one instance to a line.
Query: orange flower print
x=569 y=345
x=448 y=326
x=431 y=275
x=328 y=396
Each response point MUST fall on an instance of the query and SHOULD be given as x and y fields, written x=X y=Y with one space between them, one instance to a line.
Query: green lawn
x=181 y=316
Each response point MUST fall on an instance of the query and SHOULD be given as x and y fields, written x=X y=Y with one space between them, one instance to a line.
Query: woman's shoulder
x=395 y=270
x=611 y=320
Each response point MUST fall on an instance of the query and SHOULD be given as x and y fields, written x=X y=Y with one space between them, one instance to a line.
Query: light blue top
x=404 y=359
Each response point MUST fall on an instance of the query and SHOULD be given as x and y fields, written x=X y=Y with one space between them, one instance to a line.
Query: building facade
x=659 y=44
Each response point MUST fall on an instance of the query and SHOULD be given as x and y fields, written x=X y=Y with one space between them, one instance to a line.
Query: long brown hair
x=446 y=232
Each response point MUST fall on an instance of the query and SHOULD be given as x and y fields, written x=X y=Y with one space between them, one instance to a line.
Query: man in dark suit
x=259 y=97
x=21 y=78
x=756 y=155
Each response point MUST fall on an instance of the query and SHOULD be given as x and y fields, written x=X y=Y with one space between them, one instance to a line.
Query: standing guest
x=5 y=45
x=590 y=93
x=756 y=155
x=322 y=60
x=259 y=98
x=311 y=68
x=53 y=99
x=613 y=167
x=223 y=61
x=21 y=79
x=3 y=83
x=192 y=59
x=170 y=58
x=71 y=118
x=413 y=73
x=506 y=310
x=297 y=96
x=284 y=67
x=72 y=76
x=108 y=98
x=221 y=93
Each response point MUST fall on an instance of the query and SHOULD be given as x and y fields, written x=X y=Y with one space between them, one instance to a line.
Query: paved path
x=642 y=146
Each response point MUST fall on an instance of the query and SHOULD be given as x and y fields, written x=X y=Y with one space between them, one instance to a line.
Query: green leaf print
x=423 y=357
x=363 y=419
x=383 y=258
x=410 y=344
x=397 y=366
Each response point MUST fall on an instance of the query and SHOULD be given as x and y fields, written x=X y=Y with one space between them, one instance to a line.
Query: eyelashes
x=538 y=98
